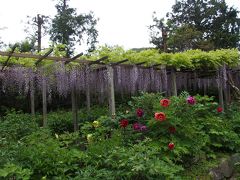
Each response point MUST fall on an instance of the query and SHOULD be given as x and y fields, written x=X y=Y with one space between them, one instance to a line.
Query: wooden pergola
x=87 y=65
x=223 y=92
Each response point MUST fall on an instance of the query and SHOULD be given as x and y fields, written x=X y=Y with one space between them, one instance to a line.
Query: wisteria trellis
x=128 y=79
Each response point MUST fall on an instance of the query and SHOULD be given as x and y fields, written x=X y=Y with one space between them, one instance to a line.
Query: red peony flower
x=171 y=146
x=165 y=102
x=160 y=116
x=172 y=129
x=219 y=109
x=139 y=112
x=124 y=123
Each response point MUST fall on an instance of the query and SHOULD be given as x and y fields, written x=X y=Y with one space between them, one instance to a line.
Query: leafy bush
x=93 y=114
x=143 y=160
x=196 y=126
x=44 y=155
x=60 y=122
x=12 y=171
x=99 y=129
x=153 y=138
x=16 y=125
x=9 y=151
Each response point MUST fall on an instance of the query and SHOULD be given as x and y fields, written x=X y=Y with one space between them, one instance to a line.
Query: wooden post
x=111 y=91
x=195 y=81
x=44 y=101
x=205 y=87
x=229 y=94
x=226 y=87
x=87 y=75
x=152 y=80
x=173 y=82
x=74 y=108
x=220 y=89
x=32 y=98
x=164 y=80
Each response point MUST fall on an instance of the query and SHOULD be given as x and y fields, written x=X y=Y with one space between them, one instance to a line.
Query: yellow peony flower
x=89 y=138
x=96 y=124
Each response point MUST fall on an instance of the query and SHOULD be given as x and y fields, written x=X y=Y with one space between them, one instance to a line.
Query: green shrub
x=198 y=127
x=94 y=113
x=60 y=122
x=12 y=171
x=143 y=160
x=45 y=155
x=16 y=125
x=104 y=148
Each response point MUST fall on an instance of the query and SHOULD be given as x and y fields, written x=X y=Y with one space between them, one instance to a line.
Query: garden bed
x=151 y=137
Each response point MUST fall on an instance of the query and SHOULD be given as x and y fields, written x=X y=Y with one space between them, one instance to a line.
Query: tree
x=36 y=28
x=202 y=24
x=69 y=28
x=187 y=37
x=158 y=33
x=23 y=46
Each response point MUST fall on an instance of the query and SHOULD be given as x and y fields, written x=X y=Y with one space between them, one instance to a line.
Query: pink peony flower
x=136 y=126
x=143 y=128
x=191 y=100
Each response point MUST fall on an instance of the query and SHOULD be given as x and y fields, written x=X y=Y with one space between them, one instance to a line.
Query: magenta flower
x=143 y=128
x=219 y=109
x=136 y=126
x=139 y=127
x=191 y=100
x=139 y=112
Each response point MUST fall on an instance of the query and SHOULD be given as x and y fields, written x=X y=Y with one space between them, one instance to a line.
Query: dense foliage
x=152 y=137
x=198 y=24
x=193 y=59
x=69 y=28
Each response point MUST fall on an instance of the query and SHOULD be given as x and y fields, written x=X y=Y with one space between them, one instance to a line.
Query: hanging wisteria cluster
x=60 y=79
x=132 y=79
x=17 y=79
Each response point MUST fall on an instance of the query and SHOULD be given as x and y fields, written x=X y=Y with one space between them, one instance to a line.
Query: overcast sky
x=121 y=22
